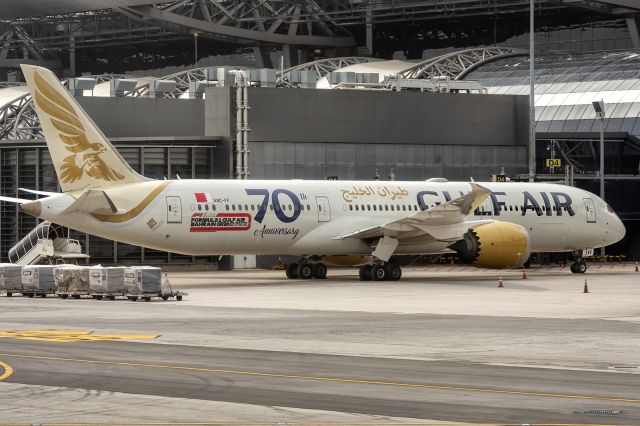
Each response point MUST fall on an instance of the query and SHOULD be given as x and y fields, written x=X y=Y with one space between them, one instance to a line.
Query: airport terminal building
x=458 y=113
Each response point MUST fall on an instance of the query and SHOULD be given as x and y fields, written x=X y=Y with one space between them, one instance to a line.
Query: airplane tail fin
x=82 y=155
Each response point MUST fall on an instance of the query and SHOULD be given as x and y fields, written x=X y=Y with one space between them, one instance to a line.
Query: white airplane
x=491 y=225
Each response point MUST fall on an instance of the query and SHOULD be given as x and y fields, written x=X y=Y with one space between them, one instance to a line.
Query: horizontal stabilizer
x=33 y=191
x=93 y=201
x=14 y=200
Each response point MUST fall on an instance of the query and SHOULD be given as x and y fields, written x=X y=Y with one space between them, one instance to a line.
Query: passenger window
x=206 y=207
x=374 y=207
x=226 y=207
x=199 y=207
x=351 y=207
x=213 y=206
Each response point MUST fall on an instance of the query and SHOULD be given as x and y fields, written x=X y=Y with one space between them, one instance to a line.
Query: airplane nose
x=617 y=230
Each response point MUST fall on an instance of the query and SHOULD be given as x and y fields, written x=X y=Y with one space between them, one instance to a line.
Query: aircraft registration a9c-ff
x=491 y=225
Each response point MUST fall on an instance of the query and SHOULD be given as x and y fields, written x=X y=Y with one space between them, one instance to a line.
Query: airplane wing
x=443 y=222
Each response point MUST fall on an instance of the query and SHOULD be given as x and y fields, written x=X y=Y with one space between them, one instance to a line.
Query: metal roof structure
x=458 y=64
x=322 y=67
x=567 y=84
x=66 y=25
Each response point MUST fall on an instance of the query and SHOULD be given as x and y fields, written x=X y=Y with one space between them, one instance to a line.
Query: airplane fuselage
x=298 y=217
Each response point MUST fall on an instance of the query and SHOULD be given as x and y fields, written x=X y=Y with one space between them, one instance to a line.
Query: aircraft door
x=174 y=209
x=324 y=210
x=590 y=209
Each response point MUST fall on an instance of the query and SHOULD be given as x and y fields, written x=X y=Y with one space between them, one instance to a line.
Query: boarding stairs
x=46 y=244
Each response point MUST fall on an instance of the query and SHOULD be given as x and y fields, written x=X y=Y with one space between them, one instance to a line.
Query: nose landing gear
x=579 y=266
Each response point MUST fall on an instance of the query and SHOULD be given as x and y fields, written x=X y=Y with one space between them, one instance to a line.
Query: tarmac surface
x=445 y=344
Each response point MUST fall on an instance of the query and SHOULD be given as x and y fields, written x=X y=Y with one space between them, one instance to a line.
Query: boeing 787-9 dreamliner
x=490 y=225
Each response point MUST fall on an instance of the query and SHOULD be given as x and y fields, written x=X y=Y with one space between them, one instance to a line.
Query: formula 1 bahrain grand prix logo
x=215 y=222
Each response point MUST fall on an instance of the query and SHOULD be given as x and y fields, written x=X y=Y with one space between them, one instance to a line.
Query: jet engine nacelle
x=497 y=245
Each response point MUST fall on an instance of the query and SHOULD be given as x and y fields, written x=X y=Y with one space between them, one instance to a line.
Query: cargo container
x=38 y=280
x=72 y=280
x=143 y=280
x=107 y=282
x=10 y=278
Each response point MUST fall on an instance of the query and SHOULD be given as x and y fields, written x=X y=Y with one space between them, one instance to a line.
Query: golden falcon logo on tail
x=72 y=133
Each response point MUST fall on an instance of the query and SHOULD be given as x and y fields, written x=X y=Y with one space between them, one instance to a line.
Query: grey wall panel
x=357 y=116
x=360 y=161
x=145 y=117
x=218 y=112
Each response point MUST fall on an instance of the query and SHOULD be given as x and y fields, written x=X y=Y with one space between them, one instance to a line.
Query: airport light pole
x=195 y=47
x=598 y=107
x=532 y=104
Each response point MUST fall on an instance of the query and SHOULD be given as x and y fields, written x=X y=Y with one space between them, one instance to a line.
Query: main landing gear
x=380 y=271
x=306 y=269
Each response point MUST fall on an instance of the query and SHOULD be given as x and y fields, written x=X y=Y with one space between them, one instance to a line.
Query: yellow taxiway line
x=7 y=370
x=327 y=379
x=70 y=336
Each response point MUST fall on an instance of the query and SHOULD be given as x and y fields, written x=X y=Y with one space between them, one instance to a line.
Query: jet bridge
x=47 y=243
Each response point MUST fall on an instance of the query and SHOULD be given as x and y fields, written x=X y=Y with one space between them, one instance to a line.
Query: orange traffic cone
x=586 y=287
x=524 y=274
x=636 y=266
x=500 y=285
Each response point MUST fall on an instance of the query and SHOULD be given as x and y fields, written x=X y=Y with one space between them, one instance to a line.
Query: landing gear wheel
x=9 y=294
x=321 y=271
x=380 y=273
x=292 y=271
x=306 y=271
x=365 y=273
x=578 y=267
x=394 y=272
